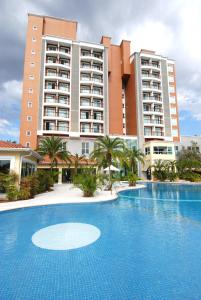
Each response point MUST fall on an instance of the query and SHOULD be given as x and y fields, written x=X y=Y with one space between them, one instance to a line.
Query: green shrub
x=191 y=176
x=12 y=192
x=45 y=181
x=24 y=194
x=88 y=183
x=132 y=179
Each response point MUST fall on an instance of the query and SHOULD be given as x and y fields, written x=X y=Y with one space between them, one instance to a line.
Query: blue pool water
x=149 y=248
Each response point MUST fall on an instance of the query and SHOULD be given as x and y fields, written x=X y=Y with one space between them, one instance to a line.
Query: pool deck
x=66 y=193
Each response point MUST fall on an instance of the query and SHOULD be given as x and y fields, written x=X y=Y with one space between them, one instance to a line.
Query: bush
x=88 y=183
x=12 y=192
x=132 y=178
x=191 y=176
x=45 y=181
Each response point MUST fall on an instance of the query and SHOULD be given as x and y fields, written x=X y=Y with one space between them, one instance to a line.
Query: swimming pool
x=149 y=248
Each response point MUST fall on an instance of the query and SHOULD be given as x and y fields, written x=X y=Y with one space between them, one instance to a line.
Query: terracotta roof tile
x=4 y=144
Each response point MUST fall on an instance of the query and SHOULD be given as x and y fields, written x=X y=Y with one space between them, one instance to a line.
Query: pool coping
x=41 y=200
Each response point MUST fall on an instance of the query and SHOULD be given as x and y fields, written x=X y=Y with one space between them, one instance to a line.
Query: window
x=171 y=78
x=31 y=77
x=171 y=89
x=85 y=148
x=85 y=102
x=33 y=39
x=28 y=133
x=33 y=52
x=64 y=146
x=170 y=68
x=174 y=122
x=85 y=115
x=28 y=144
x=32 y=64
x=30 y=91
x=147 y=150
x=50 y=112
x=174 y=132
x=85 y=128
x=29 y=118
x=4 y=166
x=173 y=110
x=50 y=125
x=29 y=104
x=34 y=27
x=162 y=150
x=172 y=99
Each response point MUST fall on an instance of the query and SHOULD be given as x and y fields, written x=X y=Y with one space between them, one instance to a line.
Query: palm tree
x=107 y=150
x=76 y=160
x=53 y=147
x=130 y=158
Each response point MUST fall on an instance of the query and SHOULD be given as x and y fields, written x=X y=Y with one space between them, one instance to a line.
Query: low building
x=187 y=142
x=16 y=158
x=155 y=150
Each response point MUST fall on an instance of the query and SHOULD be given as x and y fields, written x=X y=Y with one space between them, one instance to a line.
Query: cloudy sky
x=171 y=28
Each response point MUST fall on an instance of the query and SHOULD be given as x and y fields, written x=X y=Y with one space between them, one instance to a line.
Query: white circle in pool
x=66 y=236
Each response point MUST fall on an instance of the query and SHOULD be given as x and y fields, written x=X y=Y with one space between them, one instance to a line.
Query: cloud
x=8 y=131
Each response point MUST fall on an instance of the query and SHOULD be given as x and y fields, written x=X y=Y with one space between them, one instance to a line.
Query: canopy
x=112 y=168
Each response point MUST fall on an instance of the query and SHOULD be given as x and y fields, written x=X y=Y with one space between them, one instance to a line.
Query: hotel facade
x=79 y=91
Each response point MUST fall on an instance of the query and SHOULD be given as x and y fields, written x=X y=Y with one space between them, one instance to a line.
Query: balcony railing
x=152 y=98
x=56 y=49
x=91 y=67
x=57 y=128
x=56 y=114
x=154 y=133
x=93 y=55
x=151 y=86
x=158 y=110
x=91 y=79
x=56 y=100
x=146 y=121
x=150 y=65
x=99 y=118
x=57 y=61
x=58 y=75
x=151 y=75
x=92 y=130
x=83 y=91
x=56 y=87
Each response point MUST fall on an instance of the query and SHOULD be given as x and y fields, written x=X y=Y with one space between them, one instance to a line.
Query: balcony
x=92 y=130
x=57 y=128
x=94 y=92
x=86 y=54
x=55 y=101
x=150 y=98
x=151 y=87
x=150 y=65
x=58 y=62
x=92 y=67
x=158 y=122
x=62 y=76
x=56 y=115
x=154 y=133
x=92 y=79
x=158 y=110
x=56 y=49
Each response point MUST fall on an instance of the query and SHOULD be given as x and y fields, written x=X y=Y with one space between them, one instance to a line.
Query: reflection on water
x=168 y=200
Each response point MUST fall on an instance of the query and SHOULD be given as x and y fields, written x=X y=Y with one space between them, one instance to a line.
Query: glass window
x=174 y=132
x=171 y=89
x=85 y=148
x=147 y=150
x=173 y=110
x=4 y=166
x=162 y=150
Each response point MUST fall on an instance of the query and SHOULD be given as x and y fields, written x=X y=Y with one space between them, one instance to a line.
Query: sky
x=171 y=28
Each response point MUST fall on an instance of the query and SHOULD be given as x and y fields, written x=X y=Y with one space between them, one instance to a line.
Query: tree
x=106 y=151
x=131 y=157
x=76 y=161
x=53 y=147
x=160 y=170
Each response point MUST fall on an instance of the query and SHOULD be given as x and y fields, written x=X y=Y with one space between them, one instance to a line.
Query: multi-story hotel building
x=80 y=90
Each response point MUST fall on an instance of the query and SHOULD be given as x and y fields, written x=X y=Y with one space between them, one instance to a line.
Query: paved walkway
x=64 y=193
